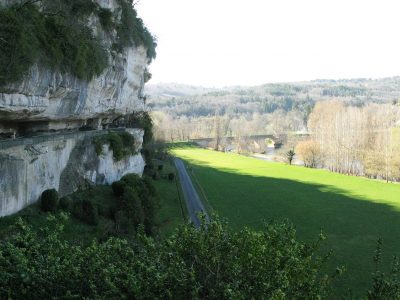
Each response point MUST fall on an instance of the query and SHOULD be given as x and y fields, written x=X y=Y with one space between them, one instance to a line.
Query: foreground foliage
x=212 y=262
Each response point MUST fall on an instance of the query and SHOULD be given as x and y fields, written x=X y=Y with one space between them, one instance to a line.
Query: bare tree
x=290 y=156
x=309 y=153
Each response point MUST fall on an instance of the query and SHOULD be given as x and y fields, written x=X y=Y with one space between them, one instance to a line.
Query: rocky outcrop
x=64 y=162
x=55 y=100
x=50 y=100
x=47 y=95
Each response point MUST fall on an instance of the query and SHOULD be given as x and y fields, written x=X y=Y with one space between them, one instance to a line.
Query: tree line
x=354 y=140
x=169 y=128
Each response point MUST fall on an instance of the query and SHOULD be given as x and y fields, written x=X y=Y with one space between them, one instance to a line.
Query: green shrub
x=142 y=120
x=116 y=145
x=131 y=31
x=123 y=224
x=118 y=188
x=149 y=166
x=132 y=180
x=140 y=201
x=86 y=211
x=150 y=186
x=56 y=40
x=151 y=205
x=127 y=139
x=106 y=19
x=122 y=144
x=171 y=176
x=20 y=50
x=49 y=200
x=155 y=175
x=56 y=35
x=133 y=206
x=160 y=167
x=385 y=285
x=81 y=7
x=212 y=262
x=149 y=170
x=66 y=203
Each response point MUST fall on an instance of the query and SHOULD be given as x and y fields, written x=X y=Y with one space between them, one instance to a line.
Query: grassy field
x=352 y=211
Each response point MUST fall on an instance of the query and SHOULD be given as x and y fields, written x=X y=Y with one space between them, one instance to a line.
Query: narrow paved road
x=193 y=201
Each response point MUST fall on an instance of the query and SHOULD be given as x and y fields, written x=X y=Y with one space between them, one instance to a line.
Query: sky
x=219 y=43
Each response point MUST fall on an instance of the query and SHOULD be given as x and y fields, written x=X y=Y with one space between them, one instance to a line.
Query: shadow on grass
x=352 y=224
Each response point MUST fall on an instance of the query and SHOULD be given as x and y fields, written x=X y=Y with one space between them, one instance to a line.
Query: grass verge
x=173 y=208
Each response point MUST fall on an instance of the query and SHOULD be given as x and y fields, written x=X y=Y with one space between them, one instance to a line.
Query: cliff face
x=46 y=95
x=49 y=95
x=55 y=100
x=64 y=162
x=46 y=99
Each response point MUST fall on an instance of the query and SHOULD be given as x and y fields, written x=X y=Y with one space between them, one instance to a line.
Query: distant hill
x=171 y=90
x=196 y=101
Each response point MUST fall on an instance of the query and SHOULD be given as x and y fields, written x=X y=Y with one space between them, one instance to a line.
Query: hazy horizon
x=228 y=43
x=152 y=83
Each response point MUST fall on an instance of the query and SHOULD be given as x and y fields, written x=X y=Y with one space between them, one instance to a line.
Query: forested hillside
x=192 y=112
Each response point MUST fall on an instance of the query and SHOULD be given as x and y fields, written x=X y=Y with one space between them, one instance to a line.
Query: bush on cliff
x=54 y=33
x=122 y=144
x=142 y=119
x=51 y=39
x=118 y=188
x=66 y=203
x=49 y=200
x=131 y=31
x=106 y=19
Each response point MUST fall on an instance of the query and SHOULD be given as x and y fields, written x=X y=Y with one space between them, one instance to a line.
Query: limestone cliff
x=49 y=99
x=64 y=162
x=47 y=95
x=44 y=99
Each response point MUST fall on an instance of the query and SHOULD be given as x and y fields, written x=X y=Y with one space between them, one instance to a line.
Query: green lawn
x=352 y=211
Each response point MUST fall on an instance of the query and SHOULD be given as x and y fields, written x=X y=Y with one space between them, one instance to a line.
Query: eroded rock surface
x=62 y=162
x=55 y=100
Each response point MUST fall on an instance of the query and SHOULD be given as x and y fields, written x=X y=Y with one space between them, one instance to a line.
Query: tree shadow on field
x=352 y=224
